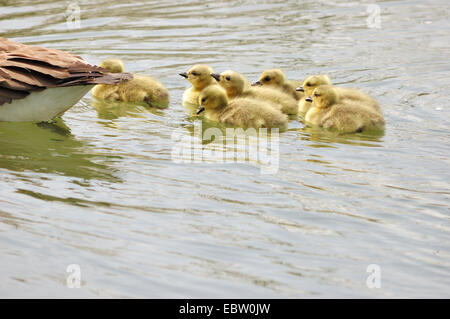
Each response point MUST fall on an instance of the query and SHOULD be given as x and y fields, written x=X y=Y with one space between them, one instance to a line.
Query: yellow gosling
x=236 y=85
x=296 y=84
x=200 y=77
x=343 y=115
x=113 y=65
x=242 y=112
x=233 y=82
x=308 y=86
x=275 y=78
x=314 y=81
x=140 y=89
x=357 y=95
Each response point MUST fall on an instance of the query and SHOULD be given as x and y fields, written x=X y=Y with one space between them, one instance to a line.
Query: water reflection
x=111 y=110
x=50 y=148
x=207 y=130
x=318 y=134
x=336 y=204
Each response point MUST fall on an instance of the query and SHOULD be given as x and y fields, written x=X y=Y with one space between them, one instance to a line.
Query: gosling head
x=233 y=82
x=271 y=77
x=312 y=82
x=212 y=98
x=324 y=96
x=199 y=76
x=113 y=65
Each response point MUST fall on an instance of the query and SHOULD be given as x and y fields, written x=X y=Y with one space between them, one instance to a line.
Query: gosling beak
x=300 y=89
x=184 y=74
x=200 y=110
x=257 y=83
x=309 y=99
x=216 y=76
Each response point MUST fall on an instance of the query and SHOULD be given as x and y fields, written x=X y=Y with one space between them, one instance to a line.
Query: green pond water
x=101 y=189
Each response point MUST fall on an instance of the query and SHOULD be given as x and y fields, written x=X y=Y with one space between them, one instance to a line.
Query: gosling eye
x=316 y=94
x=267 y=79
x=194 y=73
x=203 y=100
x=308 y=84
x=228 y=78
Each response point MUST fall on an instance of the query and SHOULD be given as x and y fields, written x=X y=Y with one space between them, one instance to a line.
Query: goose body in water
x=38 y=84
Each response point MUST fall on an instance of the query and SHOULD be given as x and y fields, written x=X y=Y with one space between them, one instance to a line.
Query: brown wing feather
x=16 y=85
x=37 y=66
x=25 y=68
x=7 y=95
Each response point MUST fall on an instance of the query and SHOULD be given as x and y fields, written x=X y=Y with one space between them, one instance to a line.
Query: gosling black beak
x=216 y=76
x=184 y=74
x=300 y=89
x=200 y=110
x=257 y=83
x=309 y=99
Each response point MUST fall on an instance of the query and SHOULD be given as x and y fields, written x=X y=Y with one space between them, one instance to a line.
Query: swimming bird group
x=37 y=84
x=234 y=100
